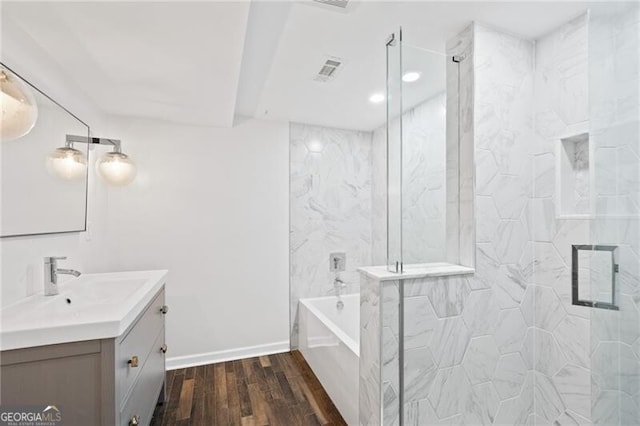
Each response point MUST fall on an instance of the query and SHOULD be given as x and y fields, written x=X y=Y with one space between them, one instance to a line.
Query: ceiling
x=177 y=61
x=358 y=36
x=205 y=62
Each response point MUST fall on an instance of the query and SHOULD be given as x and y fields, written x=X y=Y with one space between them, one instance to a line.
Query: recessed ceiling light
x=410 y=76
x=376 y=98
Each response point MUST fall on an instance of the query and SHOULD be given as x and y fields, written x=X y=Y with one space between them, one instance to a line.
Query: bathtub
x=329 y=339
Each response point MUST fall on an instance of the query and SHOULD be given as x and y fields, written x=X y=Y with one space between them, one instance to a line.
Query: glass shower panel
x=416 y=155
x=394 y=152
x=424 y=146
x=614 y=138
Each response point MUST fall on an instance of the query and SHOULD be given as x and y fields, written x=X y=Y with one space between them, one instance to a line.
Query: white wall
x=22 y=258
x=210 y=205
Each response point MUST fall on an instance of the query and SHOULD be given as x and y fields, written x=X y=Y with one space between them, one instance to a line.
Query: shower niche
x=573 y=181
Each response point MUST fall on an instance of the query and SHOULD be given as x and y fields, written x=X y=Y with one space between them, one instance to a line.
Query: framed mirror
x=33 y=199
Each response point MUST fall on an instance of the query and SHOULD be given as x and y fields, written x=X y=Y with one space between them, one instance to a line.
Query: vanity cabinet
x=115 y=381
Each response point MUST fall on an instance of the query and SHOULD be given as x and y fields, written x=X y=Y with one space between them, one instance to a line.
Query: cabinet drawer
x=139 y=342
x=142 y=399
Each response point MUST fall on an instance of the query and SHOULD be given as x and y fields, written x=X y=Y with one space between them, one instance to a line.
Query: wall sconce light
x=67 y=163
x=116 y=168
x=19 y=107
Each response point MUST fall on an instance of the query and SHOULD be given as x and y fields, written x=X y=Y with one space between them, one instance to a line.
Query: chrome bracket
x=115 y=143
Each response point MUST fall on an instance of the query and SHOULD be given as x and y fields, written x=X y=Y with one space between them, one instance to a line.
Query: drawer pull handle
x=163 y=349
x=135 y=421
x=164 y=309
x=133 y=362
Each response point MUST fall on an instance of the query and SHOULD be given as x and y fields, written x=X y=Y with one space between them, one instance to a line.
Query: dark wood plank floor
x=272 y=390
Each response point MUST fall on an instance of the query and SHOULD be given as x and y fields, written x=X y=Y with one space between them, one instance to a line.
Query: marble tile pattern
x=370 y=387
x=559 y=337
x=473 y=337
x=423 y=182
x=491 y=336
x=516 y=348
x=423 y=188
x=330 y=210
x=614 y=111
x=379 y=197
x=460 y=220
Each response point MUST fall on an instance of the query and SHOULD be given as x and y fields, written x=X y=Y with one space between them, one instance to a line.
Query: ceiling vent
x=330 y=69
x=342 y=4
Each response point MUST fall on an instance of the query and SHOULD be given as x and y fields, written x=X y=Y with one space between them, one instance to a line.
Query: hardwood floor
x=272 y=390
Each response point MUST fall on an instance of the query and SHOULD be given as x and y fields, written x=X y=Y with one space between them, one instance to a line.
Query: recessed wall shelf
x=573 y=180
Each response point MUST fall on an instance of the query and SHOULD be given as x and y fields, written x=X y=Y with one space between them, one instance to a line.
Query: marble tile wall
x=467 y=356
x=370 y=391
x=585 y=369
x=614 y=107
x=424 y=185
x=504 y=141
x=461 y=155
x=506 y=346
x=559 y=332
x=379 y=197
x=330 y=210
x=423 y=181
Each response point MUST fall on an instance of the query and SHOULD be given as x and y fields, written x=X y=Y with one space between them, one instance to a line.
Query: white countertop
x=440 y=269
x=93 y=306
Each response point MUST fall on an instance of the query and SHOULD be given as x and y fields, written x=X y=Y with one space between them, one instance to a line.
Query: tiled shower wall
x=506 y=346
x=614 y=105
x=559 y=331
x=424 y=180
x=338 y=179
x=330 y=210
x=465 y=357
x=586 y=368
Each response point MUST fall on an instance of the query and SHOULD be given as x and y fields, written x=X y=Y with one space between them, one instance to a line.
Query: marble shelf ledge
x=440 y=269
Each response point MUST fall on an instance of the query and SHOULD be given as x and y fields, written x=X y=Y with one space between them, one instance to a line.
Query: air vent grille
x=342 y=4
x=329 y=69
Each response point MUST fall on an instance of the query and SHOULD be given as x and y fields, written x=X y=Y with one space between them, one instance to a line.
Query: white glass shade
x=116 y=168
x=19 y=108
x=67 y=163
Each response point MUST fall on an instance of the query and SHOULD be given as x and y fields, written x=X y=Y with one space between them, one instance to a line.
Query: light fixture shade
x=116 y=168
x=19 y=108
x=67 y=163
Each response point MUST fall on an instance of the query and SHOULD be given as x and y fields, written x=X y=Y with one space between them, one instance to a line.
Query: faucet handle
x=50 y=259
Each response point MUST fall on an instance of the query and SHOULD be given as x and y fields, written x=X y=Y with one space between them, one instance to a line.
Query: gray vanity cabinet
x=114 y=381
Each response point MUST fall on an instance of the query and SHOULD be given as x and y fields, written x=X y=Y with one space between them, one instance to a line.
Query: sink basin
x=103 y=291
x=93 y=306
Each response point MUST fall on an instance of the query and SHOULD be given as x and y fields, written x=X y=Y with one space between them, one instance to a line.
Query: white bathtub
x=329 y=339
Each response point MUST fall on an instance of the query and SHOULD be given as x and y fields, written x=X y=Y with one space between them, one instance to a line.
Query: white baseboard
x=173 y=363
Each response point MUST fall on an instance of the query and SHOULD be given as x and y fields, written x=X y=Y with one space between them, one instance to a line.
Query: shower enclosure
x=516 y=165
x=614 y=147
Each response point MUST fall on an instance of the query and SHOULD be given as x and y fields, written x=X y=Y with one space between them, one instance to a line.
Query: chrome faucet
x=51 y=272
x=338 y=286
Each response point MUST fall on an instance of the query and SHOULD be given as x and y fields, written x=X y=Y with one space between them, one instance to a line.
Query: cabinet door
x=70 y=380
x=138 y=343
x=142 y=399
